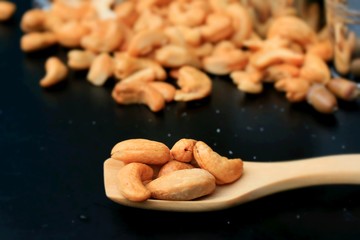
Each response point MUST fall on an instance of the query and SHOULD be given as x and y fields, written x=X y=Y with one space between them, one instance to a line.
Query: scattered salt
x=249 y=128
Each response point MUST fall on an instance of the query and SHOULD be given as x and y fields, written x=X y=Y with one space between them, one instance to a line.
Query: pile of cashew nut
x=142 y=43
x=189 y=170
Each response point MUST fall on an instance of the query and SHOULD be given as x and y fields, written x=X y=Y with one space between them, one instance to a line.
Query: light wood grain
x=259 y=179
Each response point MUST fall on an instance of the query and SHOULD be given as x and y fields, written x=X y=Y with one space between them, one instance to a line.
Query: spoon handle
x=335 y=169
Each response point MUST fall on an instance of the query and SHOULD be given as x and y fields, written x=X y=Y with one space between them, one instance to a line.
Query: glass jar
x=343 y=21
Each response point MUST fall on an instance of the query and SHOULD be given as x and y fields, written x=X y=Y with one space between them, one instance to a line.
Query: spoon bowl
x=259 y=180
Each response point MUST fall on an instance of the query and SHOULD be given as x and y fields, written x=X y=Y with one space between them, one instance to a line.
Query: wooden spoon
x=259 y=179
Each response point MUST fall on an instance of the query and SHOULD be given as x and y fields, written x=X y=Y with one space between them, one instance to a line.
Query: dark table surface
x=53 y=144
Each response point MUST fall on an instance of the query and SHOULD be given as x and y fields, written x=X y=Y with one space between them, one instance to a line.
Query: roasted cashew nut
x=241 y=21
x=292 y=28
x=281 y=71
x=315 y=69
x=70 y=33
x=141 y=150
x=56 y=71
x=7 y=10
x=173 y=166
x=249 y=82
x=182 y=185
x=80 y=59
x=296 y=88
x=218 y=27
x=266 y=58
x=33 y=20
x=101 y=69
x=194 y=84
x=187 y=14
x=176 y=56
x=134 y=93
x=165 y=89
x=126 y=65
x=146 y=41
x=182 y=150
x=34 y=41
x=223 y=169
x=130 y=181
x=105 y=36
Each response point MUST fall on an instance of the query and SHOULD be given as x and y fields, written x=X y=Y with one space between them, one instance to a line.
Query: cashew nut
x=101 y=69
x=187 y=13
x=218 y=27
x=292 y=28
x=72 y=10
x=182 y=150
x=134 y=93
x=176 y=56
x=241 y=22
x=149 y=19
x=296 y=88
x=223 y=169
x=225 y=59
x=130 y=181
x=263 y=59
x=165 y=89
x=182 y=185
x=105 y=36
x=281 y=71
x=56 y=71
x=70 y=33
x=80 y=59
x=126 y=65
x=141 y=76
x=247 y=81
x=193 y=83
x=146 y=41
x=33 y=20
x=34 y=41
x=126 y=12
x=7 y=10
x=315 y=69
x=324 y=49
x=141 y=150
x=173 y=166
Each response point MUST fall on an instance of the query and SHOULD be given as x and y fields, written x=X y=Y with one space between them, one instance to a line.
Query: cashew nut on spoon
x=259 y=180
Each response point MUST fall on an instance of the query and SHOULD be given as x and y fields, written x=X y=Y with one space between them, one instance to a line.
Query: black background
x=53 y=144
